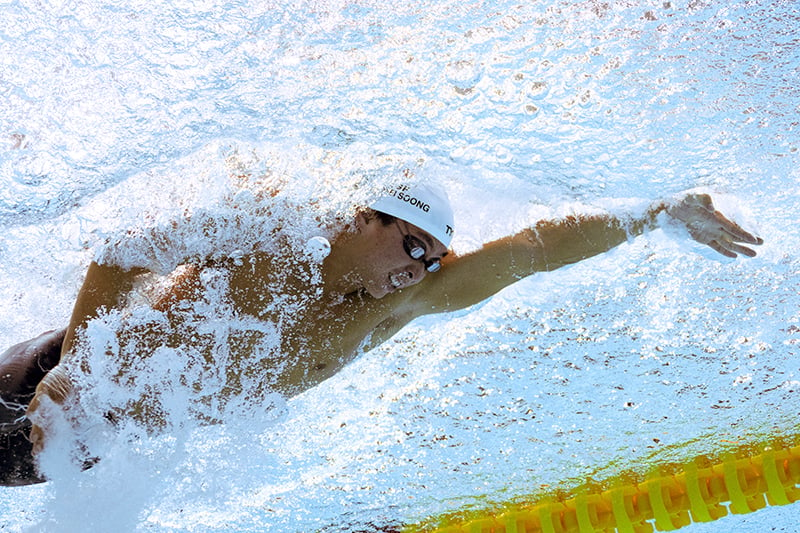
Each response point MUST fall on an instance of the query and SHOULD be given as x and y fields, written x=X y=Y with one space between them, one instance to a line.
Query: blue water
x=656 y=351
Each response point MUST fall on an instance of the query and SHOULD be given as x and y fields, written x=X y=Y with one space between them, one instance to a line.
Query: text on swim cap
x=412 y=200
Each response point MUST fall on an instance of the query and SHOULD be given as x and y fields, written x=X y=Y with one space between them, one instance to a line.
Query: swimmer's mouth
x=396 y=281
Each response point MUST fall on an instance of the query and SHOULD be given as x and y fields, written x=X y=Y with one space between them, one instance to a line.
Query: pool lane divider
x=674 y=495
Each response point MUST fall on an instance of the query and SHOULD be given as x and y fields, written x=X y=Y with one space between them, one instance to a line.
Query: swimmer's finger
x=738 y=234
x=37 y=439
x=721 y=249
x=739 y=249
x=703 y=200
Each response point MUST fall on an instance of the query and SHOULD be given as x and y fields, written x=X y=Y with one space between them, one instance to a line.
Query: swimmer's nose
x=416 y=273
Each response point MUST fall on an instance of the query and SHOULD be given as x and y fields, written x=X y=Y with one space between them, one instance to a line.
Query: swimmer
x=391 y=267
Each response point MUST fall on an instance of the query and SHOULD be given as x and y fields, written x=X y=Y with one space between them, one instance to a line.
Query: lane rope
x=740 y=481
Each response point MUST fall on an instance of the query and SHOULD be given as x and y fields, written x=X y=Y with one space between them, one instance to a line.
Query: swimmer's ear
x=364 y=217
x=360 y=221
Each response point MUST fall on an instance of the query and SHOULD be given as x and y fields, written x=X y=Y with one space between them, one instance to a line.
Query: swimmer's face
x=389 y=265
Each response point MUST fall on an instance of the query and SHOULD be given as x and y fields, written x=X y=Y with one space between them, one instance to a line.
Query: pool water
x=115 y=114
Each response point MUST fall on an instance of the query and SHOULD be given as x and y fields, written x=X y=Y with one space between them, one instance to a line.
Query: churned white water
x=118 y=116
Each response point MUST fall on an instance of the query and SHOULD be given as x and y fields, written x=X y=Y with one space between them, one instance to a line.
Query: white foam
x=137 y=117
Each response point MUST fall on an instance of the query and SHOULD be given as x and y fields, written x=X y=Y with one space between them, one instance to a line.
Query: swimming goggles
x=416 y=250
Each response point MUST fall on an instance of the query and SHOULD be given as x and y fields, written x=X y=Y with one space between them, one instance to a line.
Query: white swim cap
x=425 y=206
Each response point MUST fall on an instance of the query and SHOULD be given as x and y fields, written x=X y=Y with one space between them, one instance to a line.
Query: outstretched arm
x=471 y=278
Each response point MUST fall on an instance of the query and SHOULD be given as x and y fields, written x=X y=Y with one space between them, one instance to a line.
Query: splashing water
x=118 y=117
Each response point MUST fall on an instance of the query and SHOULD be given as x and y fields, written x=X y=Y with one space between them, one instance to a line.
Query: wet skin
x=371 y=288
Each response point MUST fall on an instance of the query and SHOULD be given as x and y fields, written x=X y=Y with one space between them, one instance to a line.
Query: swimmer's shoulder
x=256 y=279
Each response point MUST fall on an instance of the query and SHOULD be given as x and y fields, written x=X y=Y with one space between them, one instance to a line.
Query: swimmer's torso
x=273 y=327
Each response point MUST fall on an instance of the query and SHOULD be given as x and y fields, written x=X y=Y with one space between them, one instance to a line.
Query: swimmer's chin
x=378 y=295
x=380 y=291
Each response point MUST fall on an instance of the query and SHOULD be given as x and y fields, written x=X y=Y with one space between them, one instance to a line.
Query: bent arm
x=102 y=288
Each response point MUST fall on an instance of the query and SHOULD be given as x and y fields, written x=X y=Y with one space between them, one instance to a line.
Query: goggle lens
x=416 y=251
x=433 y=266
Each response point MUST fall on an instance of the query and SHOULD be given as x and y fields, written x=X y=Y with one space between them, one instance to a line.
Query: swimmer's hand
x=708 y=226
x=57 y=386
